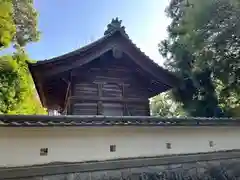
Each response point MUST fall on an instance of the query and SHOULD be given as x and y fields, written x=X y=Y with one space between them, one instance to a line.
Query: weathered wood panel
x=137 y=109
x=111 y=90
x=119 y=84
x=85 y=108
x=85 y=89
x=113 y=109
x=134 y=91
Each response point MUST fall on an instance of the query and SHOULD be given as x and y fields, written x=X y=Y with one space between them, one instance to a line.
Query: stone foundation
x=217 y=166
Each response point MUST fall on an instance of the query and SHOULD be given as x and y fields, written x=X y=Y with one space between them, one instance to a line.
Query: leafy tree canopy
x=203 y=48
x=18 y=26
x=163 y=105
x=25 y=19
x=7 y=27
x=18 y=23
x=17 y=92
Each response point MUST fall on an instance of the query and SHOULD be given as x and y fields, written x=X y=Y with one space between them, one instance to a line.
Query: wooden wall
x=108 y=86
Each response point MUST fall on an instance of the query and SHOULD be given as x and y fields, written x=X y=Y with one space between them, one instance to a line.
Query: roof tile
x=45 y=121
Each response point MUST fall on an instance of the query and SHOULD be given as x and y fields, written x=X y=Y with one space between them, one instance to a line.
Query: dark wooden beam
x=108 y=99
x=125 y=112
x=66 y=81
x=67 y=93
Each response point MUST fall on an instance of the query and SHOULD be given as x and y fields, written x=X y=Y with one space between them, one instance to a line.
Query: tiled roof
x=70 y=120
x=161 y=79
x=95 y=43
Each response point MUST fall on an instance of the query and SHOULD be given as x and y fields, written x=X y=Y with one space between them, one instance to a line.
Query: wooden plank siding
x=110 y=88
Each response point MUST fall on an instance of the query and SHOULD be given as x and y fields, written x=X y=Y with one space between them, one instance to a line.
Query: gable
x=108 y=69
x=109 y=86
x=62 y=67
x=86 y=55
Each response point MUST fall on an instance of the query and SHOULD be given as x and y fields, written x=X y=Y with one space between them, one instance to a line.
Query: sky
x=67 y=25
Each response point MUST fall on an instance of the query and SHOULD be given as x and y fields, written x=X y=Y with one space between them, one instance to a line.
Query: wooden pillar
x=100 y=103
x=66 y=99
x=70 y=94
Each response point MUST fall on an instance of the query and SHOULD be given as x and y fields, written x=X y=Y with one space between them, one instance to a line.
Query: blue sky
x=67 y=25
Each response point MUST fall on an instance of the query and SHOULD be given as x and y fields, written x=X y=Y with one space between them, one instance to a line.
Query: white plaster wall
x=21 y=146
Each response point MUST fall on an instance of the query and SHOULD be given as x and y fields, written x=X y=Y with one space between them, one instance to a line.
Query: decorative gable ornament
x=117 y=53
x=115 y=25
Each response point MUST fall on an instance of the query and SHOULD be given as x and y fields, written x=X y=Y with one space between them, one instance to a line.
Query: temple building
x=111 y=76
x=102 y=93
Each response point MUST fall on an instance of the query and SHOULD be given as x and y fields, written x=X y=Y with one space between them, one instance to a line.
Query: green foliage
x=18 y=25
x=17 y=93
x=203 y=48
x=7 y=27
x=25 y=19
x=163 y=105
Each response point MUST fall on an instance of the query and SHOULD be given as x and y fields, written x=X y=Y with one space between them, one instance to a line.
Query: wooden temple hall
x=110 y=77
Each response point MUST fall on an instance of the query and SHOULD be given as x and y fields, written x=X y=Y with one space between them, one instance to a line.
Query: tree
x=163 y=105
x=18 y=23
x=203 y=49
x=17 y=93
x=25 y=20
x=7 y=26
